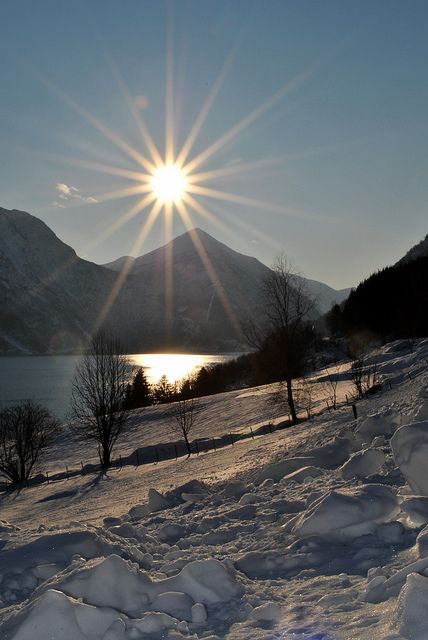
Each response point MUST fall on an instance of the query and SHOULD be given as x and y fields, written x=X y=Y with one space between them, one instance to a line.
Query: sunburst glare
x=169 y=183
x=173 y=183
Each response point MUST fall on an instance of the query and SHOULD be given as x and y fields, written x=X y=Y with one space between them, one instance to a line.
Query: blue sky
x=351 y=187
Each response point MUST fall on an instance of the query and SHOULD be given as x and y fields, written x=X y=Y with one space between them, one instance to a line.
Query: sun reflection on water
x=175 y=366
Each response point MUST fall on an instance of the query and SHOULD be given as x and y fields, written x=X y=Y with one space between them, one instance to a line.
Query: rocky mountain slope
x=51 y=298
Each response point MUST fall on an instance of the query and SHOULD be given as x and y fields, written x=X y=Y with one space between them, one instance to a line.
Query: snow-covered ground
x=316 y=532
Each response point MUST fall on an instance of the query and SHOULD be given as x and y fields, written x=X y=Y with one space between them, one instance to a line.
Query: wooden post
x=66 y=471
x=270 y=427
x=215 y=448
x=354 y=410
x=252 y=434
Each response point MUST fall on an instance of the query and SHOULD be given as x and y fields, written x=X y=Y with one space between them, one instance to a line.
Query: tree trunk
x=189 y=450
x=290 y=400
x=105 y=462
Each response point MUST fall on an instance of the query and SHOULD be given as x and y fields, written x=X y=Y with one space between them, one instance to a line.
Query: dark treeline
x=392 y=303
x=263 y=366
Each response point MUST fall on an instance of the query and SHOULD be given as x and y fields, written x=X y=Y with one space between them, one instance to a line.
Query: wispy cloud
x=66 y=193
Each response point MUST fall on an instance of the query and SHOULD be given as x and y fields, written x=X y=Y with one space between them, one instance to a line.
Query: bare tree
x=185 y=415
x=365 y=376
x=331 y=384
x=288 y=306
x=98 y=394
x=26 y=429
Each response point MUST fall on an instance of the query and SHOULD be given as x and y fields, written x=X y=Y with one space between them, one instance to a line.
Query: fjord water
x=47 y=379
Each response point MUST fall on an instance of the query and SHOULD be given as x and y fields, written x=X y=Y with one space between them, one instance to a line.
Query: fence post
x=354 y=410
x=231 y=438
x=197 y=448
x=215 y=448
x=252 y=434
x=47 y=477
x=270 y=427
x=66 y=471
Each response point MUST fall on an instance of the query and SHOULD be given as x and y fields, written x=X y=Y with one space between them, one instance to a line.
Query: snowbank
x=410 y=449
x=347 y=515
x=363 y=464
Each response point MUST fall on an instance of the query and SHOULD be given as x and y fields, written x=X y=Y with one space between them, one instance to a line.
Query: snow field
x=327 y=543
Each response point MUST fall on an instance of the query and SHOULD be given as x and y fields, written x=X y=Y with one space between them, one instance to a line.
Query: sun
x=169 y=183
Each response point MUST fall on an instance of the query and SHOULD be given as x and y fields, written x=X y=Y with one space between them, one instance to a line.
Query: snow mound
x=279 y=470
x=54 y=615
x=59 y=548
x=410 y=613
x=363 y=464
x=332 y=454
x=177 y=604
x=347 y=515
x=157 y=502
x=114 y=582
x=410 y=449
x=383 y=423
x=380 y=588
x=416 y=507
x=301 y=475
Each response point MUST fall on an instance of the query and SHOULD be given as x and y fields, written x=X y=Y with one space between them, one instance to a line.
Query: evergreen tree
x=139 y=393
x=164 y=391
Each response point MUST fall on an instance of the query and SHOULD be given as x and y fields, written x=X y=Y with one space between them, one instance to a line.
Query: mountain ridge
x=323 y=294
x=52 y=300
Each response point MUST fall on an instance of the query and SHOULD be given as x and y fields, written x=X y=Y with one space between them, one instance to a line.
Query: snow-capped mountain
x=52 y=299
x=234 y=270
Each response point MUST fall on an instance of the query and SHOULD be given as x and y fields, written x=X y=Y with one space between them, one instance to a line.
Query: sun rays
x=174 y=182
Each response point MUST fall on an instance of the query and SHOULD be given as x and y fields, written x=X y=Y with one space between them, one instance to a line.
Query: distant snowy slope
x=50 y=298
x=240 y=275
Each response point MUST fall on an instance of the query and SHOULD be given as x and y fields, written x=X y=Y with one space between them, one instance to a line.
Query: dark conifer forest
x=392 y=303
